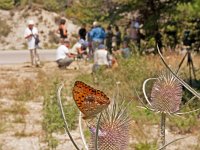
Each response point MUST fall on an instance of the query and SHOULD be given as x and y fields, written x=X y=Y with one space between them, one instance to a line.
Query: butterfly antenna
x=63 y=115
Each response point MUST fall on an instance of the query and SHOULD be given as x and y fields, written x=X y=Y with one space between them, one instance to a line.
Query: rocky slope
x=47 y=23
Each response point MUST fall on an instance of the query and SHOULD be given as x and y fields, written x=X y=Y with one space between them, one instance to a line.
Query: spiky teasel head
x=113 y=131
x=166 y=94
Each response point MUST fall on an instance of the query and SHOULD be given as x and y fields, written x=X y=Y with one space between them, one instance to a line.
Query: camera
x=186 y=38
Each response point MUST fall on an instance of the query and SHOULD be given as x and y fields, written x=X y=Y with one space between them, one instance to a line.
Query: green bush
x=52 y=121
x=51 y=5
x=6 y=4
x=4 y=28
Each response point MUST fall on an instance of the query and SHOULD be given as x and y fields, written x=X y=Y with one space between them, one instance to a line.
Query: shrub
x=4 y=28
x=6 y=4
x=53 y=121
x=53 y=38
x=51 y=5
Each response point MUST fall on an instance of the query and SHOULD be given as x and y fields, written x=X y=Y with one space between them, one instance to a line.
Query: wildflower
x=166 y=94
x=113 y=131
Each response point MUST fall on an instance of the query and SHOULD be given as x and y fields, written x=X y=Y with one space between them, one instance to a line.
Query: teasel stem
x=162 y=148
x=63 y=115
x=81 y=131
x=97 y=132
x=180 y=80
x=162 y=129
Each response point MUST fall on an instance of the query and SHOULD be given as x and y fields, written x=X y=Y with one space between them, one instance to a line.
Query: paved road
x=22 y=56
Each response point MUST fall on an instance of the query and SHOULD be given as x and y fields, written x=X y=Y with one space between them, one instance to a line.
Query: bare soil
x=21 y=122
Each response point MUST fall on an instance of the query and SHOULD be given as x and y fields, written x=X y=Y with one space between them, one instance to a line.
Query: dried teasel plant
x=166 y=96
x=114 y=128
x=111 y=132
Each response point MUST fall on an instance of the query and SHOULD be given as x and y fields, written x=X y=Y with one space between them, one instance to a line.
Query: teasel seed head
x=114 y=129
x=166 y=94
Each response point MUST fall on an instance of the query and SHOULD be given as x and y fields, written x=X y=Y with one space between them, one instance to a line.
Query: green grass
x=146 y=146
x=131 y=73
x=53 y=121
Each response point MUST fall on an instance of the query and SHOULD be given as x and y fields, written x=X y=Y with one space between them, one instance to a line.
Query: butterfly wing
x=89 y=100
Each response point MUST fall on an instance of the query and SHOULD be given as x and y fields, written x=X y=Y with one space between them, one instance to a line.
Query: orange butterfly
x=89 y=100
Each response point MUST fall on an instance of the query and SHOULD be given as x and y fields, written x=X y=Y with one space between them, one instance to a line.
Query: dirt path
x=22 y=56
x=21 y=121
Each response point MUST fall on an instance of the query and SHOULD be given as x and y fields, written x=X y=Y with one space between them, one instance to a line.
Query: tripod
x=190 y=64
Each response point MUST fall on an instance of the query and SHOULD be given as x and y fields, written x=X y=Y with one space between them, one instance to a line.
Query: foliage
x=22 y=2
x=188 y=10
x=184 y=125
x=6 y=4
x=87 y=11
x=4 y=28
x=52 y=117
x=146 y=145
x=51 y=5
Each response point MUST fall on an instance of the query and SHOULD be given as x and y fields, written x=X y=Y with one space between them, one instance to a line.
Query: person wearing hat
x=63 y=55
x=31 y=35
x=97 y=34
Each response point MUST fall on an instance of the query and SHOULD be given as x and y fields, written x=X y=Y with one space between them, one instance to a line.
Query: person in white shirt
x=31 y=33
x=79 y=48
x=102 y=58
x=63 y=56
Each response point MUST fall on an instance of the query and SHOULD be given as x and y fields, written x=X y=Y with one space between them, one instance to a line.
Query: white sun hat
x=31 y=22
x=95 y=23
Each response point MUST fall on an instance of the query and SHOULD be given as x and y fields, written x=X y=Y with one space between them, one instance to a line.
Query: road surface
x=21 y=56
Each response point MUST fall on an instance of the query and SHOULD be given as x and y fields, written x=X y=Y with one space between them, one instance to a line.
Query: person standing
x=97 y=35
x=118 y=37
x=109 y=36
x=63 y=56
x=62 y=30
x=31 y=35
x=82 y=32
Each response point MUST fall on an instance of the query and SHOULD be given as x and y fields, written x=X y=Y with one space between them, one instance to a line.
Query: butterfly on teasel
x=89 y=100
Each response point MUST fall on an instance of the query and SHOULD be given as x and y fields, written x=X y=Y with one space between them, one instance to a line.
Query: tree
x=6 y=4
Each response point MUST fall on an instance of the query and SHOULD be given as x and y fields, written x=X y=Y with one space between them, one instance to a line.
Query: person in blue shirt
x=97 y=34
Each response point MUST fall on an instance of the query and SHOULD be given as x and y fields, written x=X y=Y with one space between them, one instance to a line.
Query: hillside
x=13 y=24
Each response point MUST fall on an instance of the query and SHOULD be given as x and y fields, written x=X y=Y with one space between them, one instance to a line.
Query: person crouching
x=63 y=56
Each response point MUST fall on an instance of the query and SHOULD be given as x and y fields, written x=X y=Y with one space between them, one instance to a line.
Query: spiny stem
x=97 y=131
x=162 y=129
x=81 y=131
x=63 y=115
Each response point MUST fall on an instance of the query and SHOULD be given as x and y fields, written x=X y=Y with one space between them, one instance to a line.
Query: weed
x=146 y=146
x=53 y=38
x=17 y=108
x=183 y=125
x=27 y=90
x=2 y=127
x=5 y=29
x=52 y=117
x=6 y=4
x=19 y=119
x=52 y=142
x=20 y=134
